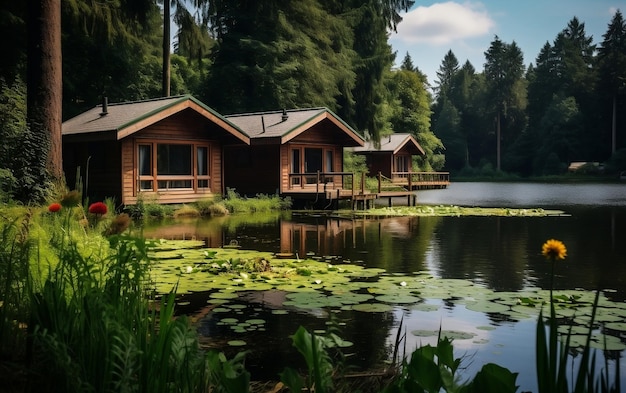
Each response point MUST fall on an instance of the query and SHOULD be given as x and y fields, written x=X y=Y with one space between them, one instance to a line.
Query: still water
x=498 y=253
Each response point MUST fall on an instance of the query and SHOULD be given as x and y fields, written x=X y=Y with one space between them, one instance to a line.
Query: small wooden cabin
x=169 y=149
x=296 y=153
x=394 y=158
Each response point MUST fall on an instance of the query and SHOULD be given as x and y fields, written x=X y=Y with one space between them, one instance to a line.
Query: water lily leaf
x=223 y=295
x=255 y=321
x=229 y=321
x=610 y=343
x=451 y=334
x=398 y=299
x=372 y=307
x=237 y=343
x=621 y=326
x=487 y=307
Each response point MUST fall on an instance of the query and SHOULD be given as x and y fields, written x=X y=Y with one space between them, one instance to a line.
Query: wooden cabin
x=294 y=153
x=393 y=161
x=167 y=150
x=394 y=157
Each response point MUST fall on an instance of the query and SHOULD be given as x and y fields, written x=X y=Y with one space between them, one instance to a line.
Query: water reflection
x=500 y=253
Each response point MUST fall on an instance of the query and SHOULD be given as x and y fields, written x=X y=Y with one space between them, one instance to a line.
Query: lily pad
x=451 y=334
x=229 y=321
x=398 y=299
x=372 y=307
x=237 y=343
x=487 y=307
x=621 y=326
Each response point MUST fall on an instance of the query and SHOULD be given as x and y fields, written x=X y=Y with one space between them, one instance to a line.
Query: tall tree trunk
x=44 y=80
x=166 y=48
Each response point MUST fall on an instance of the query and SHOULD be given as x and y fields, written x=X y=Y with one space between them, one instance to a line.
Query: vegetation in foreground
x=78 y=314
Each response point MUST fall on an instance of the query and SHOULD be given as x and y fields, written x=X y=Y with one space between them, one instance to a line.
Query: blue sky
x=431 y=28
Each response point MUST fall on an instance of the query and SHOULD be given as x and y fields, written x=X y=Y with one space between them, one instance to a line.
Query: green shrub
x=186 y=211
x=261 y=203
x=211 y=207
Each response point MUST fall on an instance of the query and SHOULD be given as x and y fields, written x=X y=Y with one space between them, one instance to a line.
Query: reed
x=81 y=316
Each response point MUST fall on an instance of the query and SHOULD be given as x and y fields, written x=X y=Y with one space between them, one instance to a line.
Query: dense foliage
x=239 y=56
x=567 y=106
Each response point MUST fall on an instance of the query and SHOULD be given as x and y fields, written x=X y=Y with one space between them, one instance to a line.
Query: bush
x=211 y=208
x=186 y=211
x=261 y=203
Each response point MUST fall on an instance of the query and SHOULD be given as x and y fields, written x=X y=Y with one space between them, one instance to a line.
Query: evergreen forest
x=520 y=115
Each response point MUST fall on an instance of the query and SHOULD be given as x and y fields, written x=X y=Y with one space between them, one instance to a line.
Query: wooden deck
x=332 y=187
x=420 y=180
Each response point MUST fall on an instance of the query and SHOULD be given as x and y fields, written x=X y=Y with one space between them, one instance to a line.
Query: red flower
x=54 y=207
x=98 y=208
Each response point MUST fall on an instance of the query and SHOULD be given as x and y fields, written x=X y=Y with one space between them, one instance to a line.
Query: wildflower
x=554 y=249
x=98 y=208
x=54 y=207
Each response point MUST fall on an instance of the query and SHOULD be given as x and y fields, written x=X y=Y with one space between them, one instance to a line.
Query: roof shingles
x=117 y=116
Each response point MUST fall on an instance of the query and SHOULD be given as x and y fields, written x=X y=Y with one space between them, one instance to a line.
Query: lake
x=500 y=255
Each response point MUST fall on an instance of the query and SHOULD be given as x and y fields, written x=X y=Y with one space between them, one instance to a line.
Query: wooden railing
x=420 y=179
x=322 y=181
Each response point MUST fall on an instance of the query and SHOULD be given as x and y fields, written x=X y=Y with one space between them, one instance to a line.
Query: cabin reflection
x=332 y=236
x=290 y=237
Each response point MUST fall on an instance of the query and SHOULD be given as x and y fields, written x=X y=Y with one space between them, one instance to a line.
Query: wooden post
x=380 y=178
x=353 y=185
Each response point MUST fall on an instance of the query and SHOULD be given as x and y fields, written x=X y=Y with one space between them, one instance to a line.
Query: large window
x=402 y=163
x=172 y=166
x=311 y=160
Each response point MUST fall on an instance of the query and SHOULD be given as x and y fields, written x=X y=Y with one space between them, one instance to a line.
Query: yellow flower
x=554 y=249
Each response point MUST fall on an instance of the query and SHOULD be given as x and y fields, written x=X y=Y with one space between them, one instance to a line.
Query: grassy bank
x=231 y=203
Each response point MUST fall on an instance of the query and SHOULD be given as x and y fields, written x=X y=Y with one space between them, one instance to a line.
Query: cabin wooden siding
x=252 y=170
x=180 y=128
x=379 y=162
x=265 y=168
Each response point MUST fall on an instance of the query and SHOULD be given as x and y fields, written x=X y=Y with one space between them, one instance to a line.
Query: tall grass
x=261 y=203
x=14 y=310
x=90 y=321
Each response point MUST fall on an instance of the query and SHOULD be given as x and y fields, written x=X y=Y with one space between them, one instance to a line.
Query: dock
x=331 y=187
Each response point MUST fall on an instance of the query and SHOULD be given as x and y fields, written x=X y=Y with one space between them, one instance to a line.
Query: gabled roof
x=124 y=119
x=282 y=126
x=392 y=143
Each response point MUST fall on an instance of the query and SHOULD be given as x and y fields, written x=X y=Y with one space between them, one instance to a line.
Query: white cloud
x=442 y=23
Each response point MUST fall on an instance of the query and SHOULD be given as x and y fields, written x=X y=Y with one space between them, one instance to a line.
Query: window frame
x=326 y=158
x=155 y=180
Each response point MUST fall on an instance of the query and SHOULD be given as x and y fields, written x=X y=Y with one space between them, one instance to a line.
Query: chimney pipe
x=105 y=103
x=285 y=116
